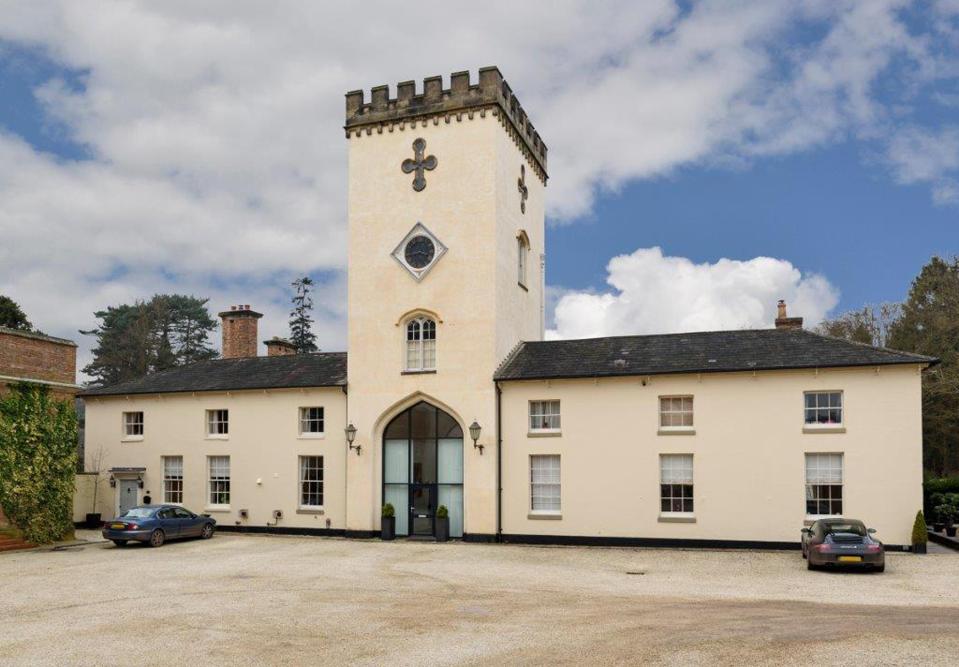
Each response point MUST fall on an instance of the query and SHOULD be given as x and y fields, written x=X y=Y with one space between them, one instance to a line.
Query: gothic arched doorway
x=423 y=469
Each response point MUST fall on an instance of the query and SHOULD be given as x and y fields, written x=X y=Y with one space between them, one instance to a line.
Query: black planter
x=388 y=528
x=951 y=531
x=919 y=548
x=442 y=529
x=93 y=520
x=938 y=527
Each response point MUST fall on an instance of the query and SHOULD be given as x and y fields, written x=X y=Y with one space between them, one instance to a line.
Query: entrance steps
x=9 y=543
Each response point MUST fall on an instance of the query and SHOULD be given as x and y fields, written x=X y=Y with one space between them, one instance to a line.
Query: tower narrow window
x=421 y=345
x=522 y=250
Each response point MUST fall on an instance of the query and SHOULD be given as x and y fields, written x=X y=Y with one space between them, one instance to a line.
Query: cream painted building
x=450 y=396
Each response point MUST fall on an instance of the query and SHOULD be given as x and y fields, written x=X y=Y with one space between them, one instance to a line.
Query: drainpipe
x=346 y=472
x=499 y=464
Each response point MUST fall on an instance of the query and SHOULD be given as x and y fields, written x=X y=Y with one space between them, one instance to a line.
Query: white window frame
x=214 y=419
x=542 y=410
x=211 y=480
x=817 y=409
x=419 y=352
x=681 y=412
x=301 y=460
x=677 y=473
x=305 y=419
x=170 y=477
x=132 y=425
x=522 y=265
x=824 y=476
x=544 y=485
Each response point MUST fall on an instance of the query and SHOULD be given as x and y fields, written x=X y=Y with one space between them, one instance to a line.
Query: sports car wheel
x=157 y=538
x=207 y=531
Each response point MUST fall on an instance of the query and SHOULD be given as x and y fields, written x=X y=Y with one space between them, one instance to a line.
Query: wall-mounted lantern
x=350 y=437
x=475 y=430
x=113 y=481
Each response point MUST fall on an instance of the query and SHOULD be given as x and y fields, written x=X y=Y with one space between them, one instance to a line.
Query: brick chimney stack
x=279 y=347
x=785 y=322
x=239 y=332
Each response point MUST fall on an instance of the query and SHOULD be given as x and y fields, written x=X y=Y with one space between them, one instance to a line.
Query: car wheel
x=207 y=532
x=157 y=538
x=804 y=552
x=880 y=568
x=809 y=565
x=120 y=543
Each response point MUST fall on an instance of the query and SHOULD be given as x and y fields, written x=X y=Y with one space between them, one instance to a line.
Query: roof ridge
x=655 y=335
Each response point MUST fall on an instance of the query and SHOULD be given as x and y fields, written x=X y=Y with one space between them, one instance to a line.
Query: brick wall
x=36 y=357
x=239 y=332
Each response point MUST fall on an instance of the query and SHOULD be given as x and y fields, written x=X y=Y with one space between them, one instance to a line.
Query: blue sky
x=706 y=158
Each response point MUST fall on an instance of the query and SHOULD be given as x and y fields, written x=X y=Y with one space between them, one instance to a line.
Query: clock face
x=419 y=252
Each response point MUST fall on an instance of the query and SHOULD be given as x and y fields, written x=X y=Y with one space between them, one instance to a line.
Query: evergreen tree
x=167 y=331
x=301 y=321
x=930 y=325
x=11 y=316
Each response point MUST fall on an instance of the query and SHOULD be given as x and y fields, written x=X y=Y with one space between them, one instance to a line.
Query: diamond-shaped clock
x=419 y=251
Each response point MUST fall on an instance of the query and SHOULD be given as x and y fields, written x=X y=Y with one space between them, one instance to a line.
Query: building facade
x=449 y=396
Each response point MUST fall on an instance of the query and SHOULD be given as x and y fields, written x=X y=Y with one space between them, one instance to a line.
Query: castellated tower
x=446 y=248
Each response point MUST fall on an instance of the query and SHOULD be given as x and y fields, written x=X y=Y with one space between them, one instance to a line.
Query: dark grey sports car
x=842 y=543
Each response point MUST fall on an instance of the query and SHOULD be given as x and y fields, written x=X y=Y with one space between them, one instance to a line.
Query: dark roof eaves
x=94 y=393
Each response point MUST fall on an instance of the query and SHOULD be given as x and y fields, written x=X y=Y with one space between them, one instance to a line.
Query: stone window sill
x=311 y=436
x=670 y=517
x=431 y=372
x=676 y=431
x=545 y=433
x=824 y=429
x=220 y=509
x=132 y=438
x=545 y=516
x=310 y=510
x=217 y=437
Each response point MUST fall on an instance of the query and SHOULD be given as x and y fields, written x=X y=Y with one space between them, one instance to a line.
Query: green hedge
x=38 y=455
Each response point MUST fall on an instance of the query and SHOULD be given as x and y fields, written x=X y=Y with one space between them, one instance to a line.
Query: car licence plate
x=850 y=559
x=118 y=526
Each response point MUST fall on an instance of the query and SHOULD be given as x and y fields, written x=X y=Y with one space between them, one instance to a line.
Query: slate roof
x=704 y=352
x=321 y=369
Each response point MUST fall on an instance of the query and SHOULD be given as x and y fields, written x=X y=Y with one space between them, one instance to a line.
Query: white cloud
x=653 y=293
x=919 y=155
x=214 y=129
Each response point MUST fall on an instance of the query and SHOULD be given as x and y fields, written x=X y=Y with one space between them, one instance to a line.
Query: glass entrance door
x=423 y=469
x=422 y=509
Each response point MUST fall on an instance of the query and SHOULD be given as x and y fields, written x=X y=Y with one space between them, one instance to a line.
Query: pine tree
x=167 y=331
x=301 y=321
x=11 y=316
x=930 y=325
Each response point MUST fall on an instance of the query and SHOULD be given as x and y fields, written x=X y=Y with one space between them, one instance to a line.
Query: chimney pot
x=783 y=321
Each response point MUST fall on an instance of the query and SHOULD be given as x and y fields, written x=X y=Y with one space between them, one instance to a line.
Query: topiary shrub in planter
x=442 y=524
x=919 y=534
x=388 y=522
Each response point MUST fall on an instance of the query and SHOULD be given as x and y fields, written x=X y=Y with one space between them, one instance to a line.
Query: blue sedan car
x=155 y=524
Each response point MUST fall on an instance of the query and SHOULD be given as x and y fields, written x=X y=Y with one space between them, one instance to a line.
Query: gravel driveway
x=260 y=599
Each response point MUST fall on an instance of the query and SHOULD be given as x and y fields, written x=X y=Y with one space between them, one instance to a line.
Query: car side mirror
x=871 y=531
x=805 y=531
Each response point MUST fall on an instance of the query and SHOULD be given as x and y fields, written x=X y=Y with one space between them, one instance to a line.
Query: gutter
x=499 y=462
x=50 y=383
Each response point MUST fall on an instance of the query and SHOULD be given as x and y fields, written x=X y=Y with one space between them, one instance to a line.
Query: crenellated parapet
x=491 y=95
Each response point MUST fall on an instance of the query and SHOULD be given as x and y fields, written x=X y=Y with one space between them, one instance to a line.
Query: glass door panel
x=422 y=507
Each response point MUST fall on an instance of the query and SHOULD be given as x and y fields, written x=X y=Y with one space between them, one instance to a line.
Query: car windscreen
x=137 y=513
x=848 y=528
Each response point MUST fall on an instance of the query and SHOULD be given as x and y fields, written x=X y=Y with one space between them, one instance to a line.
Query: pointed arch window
x=421 y=344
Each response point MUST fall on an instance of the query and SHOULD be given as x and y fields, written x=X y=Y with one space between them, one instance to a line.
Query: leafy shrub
x=946 y=514
x=388 y=511
x=38 y=458
x=442 y=512
x=919 y=530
